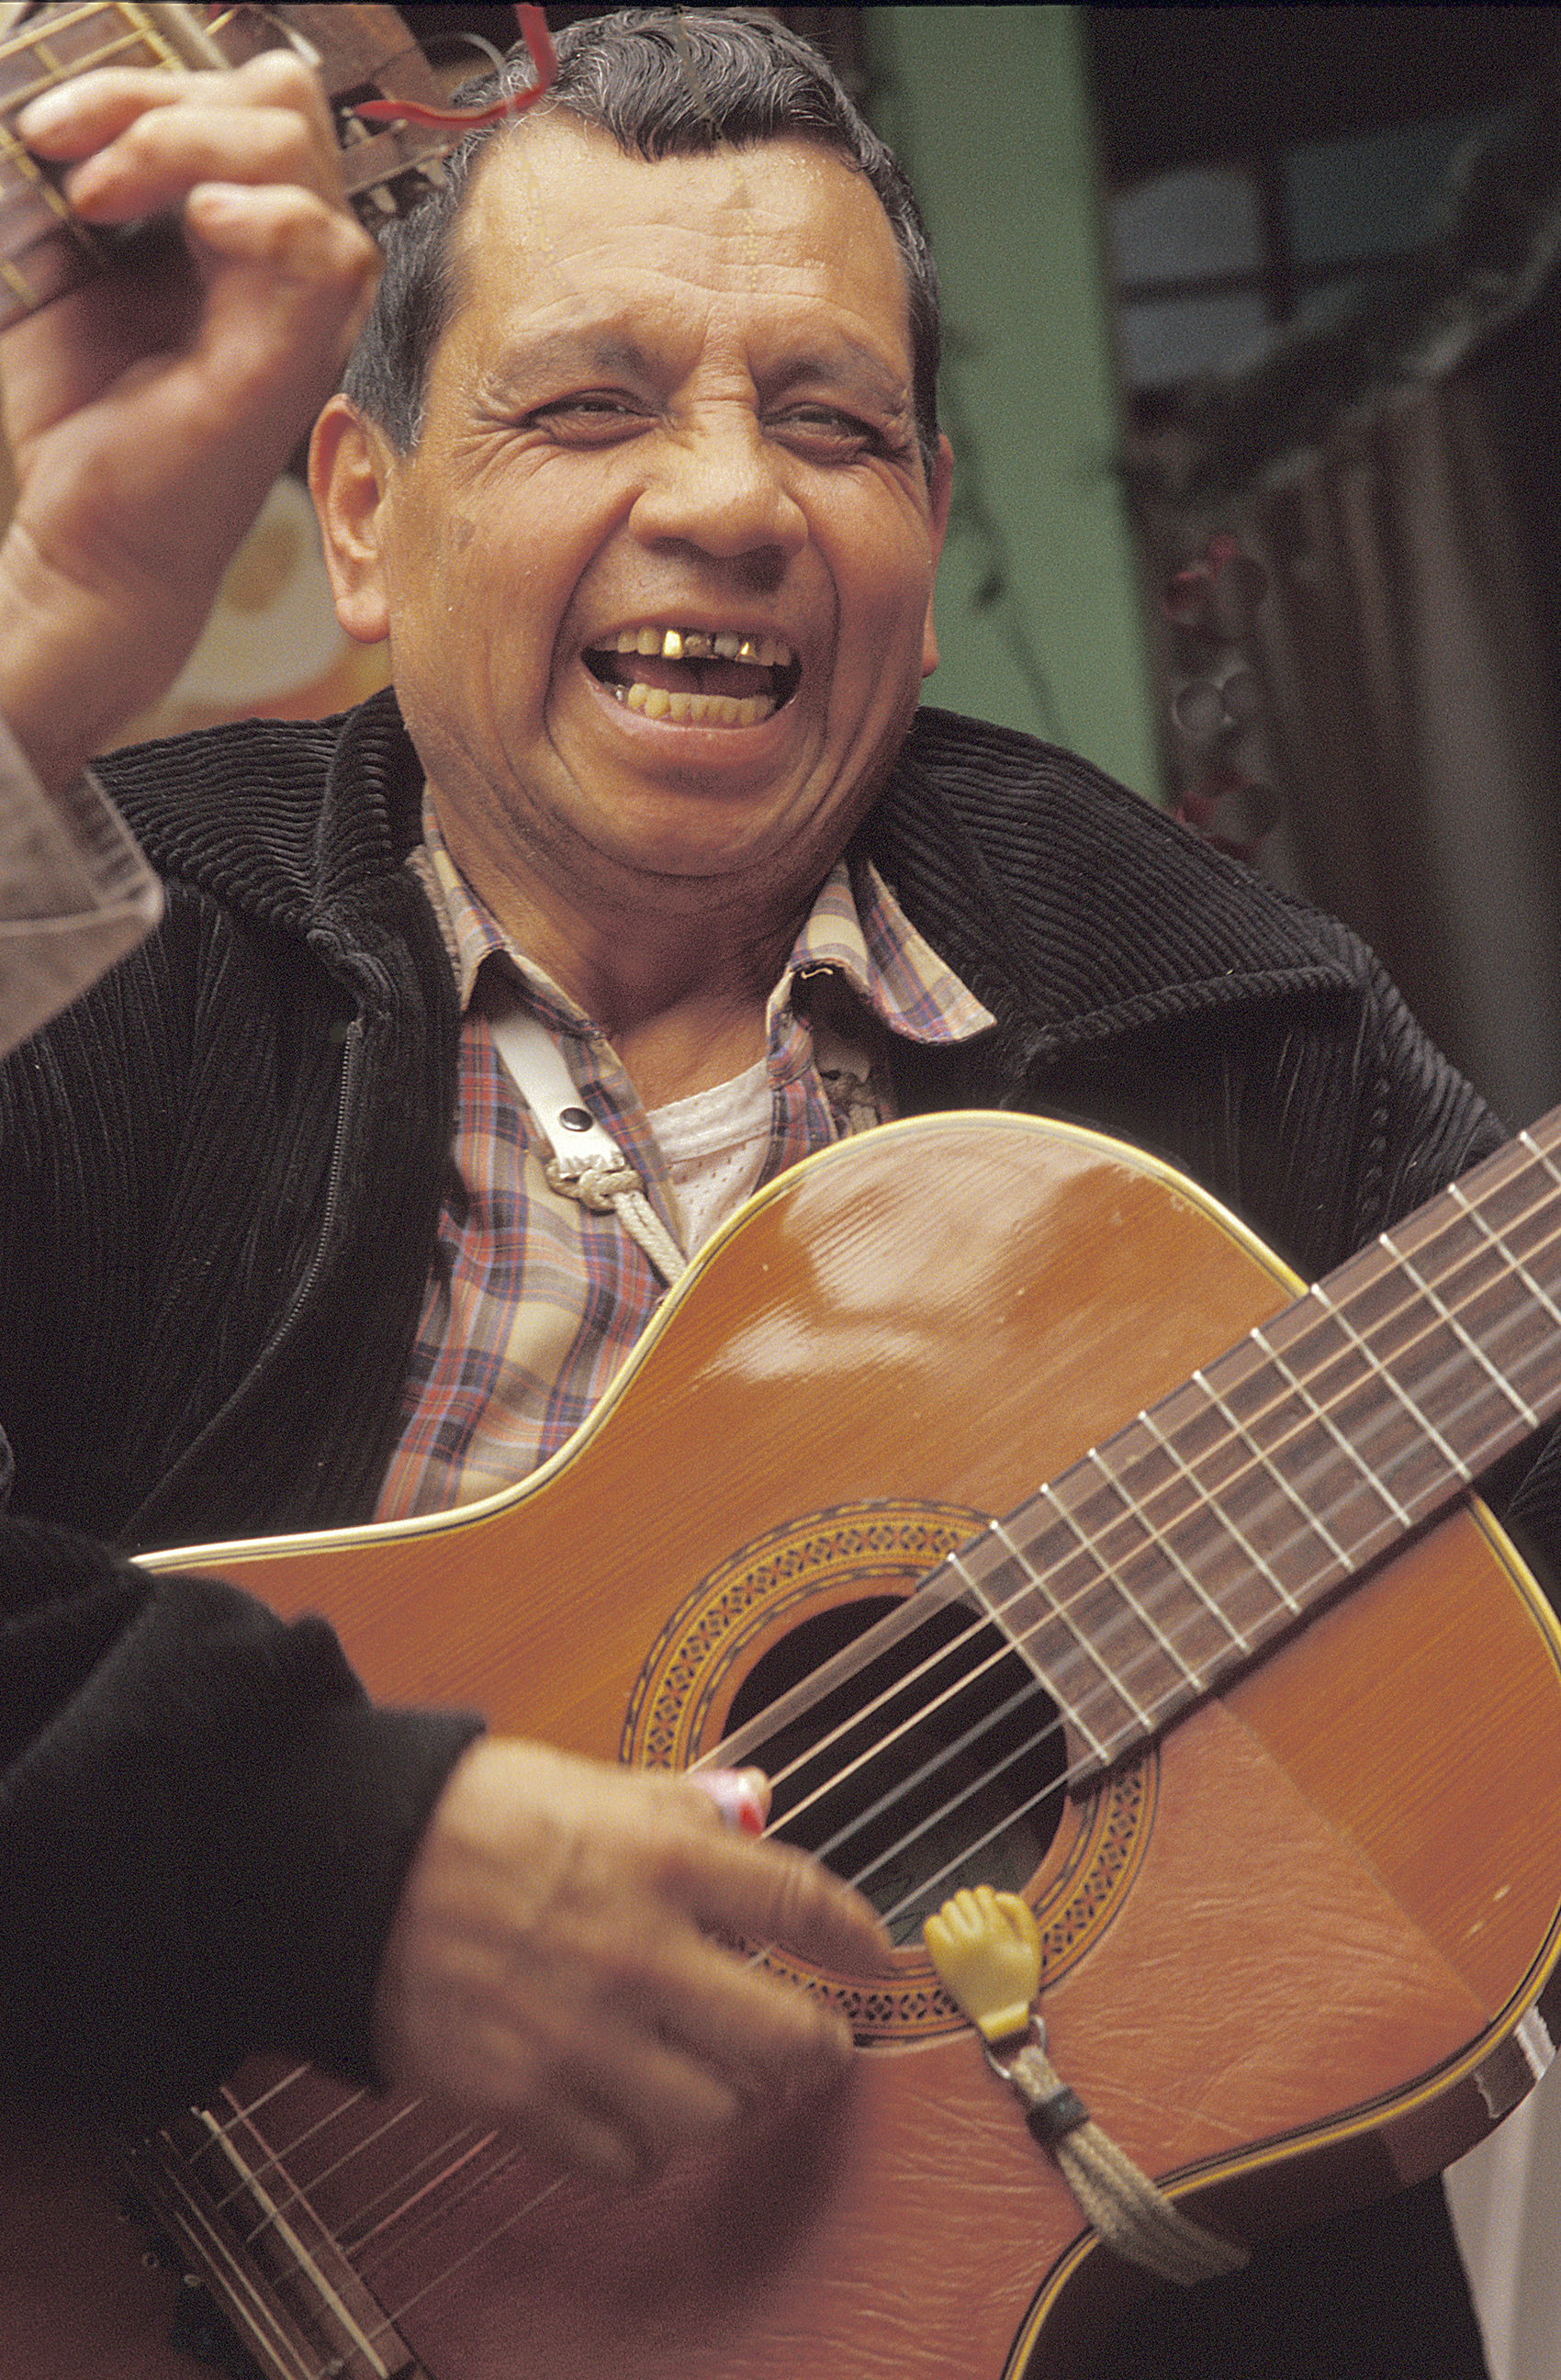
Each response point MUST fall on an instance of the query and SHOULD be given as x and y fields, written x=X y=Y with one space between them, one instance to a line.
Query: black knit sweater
x=222 y=1173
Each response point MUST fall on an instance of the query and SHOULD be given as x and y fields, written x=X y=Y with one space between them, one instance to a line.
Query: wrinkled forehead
x=558 y=213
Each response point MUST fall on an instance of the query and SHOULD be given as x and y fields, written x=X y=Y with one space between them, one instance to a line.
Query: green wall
x=1037 y=613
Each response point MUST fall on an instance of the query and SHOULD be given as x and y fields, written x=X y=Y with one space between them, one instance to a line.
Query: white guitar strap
x=586 y=1162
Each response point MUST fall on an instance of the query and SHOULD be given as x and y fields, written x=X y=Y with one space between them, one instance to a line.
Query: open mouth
x=730 y=677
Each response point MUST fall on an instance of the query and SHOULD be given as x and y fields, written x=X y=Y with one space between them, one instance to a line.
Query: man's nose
x=720 y=485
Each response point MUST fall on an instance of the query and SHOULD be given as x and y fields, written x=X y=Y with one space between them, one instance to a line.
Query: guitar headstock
x=361 y=55
x=394 y=121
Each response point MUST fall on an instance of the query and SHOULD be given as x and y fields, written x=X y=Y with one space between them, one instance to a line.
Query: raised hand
x=148 y=413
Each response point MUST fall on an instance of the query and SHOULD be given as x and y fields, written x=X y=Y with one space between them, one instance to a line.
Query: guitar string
x=1093 y=1547
x=900 y=1684
x=35 y=41
x=1008 y=1819
x=485 y=2180
x=31 y=43
x=35 y=35
x=1003 y=1824
x=461 y=2141
x=1465 y=1261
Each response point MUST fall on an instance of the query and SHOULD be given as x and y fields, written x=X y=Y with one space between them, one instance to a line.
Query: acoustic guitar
x=1252 y=1701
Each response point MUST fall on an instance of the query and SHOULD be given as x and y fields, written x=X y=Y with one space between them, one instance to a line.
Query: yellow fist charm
x=986 y=1949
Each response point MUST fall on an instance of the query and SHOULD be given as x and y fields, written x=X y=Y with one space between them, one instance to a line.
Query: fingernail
x=46 y=114
x=735 y=1794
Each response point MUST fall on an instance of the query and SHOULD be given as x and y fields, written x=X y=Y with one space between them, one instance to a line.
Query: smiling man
x=636 y=465
x=668 y=480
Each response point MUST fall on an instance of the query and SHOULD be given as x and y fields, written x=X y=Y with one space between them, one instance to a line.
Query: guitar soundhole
x=936 y=1763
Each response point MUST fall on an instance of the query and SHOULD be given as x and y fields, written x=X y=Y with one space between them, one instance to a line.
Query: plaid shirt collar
x=857 y=931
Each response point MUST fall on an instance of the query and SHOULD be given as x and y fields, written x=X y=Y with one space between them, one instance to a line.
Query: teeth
x=698 y=645
x=696 y=710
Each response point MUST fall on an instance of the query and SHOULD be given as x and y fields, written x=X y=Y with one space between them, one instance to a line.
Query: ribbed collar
x=1072 y=909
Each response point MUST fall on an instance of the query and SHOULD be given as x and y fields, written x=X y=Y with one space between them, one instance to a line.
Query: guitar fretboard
x=1164 y=1561
x=45 y=251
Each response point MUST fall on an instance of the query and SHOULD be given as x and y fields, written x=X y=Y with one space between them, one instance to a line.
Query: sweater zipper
x=352 y=1049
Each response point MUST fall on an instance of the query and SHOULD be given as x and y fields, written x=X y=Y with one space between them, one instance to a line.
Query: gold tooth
x=700 y=645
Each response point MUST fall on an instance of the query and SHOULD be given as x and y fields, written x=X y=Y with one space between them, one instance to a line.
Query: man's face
x=658 y=577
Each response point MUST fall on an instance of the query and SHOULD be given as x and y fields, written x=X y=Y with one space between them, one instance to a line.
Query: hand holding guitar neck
x=148 y=413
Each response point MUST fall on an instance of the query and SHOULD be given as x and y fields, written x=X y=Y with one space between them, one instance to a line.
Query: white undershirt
x=714 y=1144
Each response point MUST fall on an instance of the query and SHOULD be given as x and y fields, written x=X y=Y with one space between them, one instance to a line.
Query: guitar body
x=1291 y=1951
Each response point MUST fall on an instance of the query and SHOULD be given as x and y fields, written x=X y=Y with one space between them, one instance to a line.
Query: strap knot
x=598 y=1185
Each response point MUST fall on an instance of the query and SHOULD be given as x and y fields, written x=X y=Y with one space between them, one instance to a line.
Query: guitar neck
x=358 y=52
x=1154 y=1570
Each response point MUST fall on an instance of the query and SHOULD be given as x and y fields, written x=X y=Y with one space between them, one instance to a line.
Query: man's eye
x=823 y=429
x=597 y=414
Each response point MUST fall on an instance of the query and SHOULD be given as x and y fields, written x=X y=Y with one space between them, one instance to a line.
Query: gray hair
x=664 y=82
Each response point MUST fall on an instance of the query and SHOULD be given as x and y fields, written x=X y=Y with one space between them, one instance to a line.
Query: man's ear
x=939 y=495
x=348 y=466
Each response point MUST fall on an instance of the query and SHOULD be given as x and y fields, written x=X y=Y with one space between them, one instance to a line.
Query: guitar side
x=1360 y=1839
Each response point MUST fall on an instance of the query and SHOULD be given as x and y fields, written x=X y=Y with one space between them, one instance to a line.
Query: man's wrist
x=76 y=664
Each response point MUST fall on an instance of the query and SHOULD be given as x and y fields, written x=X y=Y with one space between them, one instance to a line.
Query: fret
x=1377 y=1371
x=1283 y=1392
x=1201 y=1603
x=1203 y=1493
x=1251 y=1539
x=1463 y=1304
x=1164 y=1558
x=245 y=2207
x=1457 y=1314
x=1508 y=1255
x=1265 y=1475
x=1060 y=1654
x=1472 y=1346
x=67 y=41
x=1183 y=1668
x=1543 y=1155
x=44 y=253
x=1090 y=1598
x=44 y=250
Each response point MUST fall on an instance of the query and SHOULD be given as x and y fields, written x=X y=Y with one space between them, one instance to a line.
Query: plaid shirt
x=535 y=1300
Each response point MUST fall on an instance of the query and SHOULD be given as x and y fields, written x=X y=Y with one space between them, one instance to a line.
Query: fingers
x=147 y=413
x=782 y=1896
x=249 y=157
x=144 y=138
x=553 y=1960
